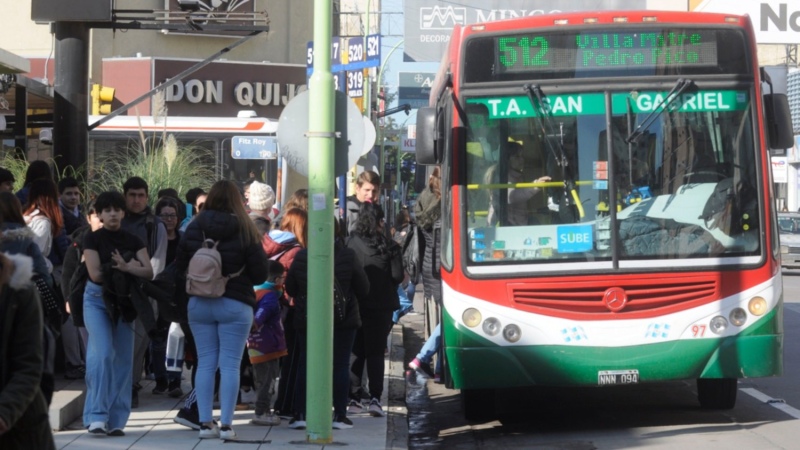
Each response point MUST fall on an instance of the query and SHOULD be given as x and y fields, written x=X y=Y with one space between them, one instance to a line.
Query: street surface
x=660 y=416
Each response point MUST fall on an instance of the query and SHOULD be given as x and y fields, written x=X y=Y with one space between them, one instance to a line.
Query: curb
x=397 y=417
x=67 y=405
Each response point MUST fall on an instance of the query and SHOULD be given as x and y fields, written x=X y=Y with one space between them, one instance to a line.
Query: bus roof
x=233 y=125
x=589 y=18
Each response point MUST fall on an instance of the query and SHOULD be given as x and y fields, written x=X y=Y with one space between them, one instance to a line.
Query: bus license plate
x=612 y=377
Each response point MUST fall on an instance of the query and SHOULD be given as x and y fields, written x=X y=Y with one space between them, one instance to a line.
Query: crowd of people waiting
x=120 y=268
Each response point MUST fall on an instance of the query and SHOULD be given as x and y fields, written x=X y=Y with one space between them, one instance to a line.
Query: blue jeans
x=109 y=361
x=406 y=302
x=431 y=346
x=220 y=327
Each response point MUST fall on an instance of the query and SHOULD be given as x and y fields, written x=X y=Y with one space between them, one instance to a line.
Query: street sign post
x=254 y=147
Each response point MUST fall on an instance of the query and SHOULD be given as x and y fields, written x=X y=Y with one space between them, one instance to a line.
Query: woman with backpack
x=221 y=323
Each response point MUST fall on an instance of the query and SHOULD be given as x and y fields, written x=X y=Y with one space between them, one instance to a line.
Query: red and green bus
x=607 y=213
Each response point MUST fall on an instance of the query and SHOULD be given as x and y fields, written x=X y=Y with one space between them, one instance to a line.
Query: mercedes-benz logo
x=615 y=299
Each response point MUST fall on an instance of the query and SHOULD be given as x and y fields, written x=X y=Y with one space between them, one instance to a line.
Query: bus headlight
x=471 y=317
x=512 y=333
x=491 y=326
x=718 y=324
x=757 y=306
x=738 y=317
x=784 y=249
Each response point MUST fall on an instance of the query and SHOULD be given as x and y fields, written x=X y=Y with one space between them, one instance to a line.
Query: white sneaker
x=266 y=419
x=209 y=432
x=98 y=428
x=355 y=406
x=342 y=423
x=227 y=433
x=375 y=409
x=298 y=422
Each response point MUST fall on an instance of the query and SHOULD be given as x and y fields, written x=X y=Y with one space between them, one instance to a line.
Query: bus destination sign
x=560 y=51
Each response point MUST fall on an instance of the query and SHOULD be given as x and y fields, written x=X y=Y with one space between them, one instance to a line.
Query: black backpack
x=413 y=247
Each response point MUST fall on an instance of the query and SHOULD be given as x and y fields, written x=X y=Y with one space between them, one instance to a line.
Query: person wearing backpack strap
x=221 y=324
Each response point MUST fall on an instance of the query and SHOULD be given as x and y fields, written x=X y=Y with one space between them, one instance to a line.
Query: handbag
x=339 y=303
x=52 y=304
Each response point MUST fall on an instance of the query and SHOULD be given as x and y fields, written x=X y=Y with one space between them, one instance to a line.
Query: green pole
x=319 y=369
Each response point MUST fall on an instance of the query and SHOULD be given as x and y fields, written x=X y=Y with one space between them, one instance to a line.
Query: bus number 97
x=698 y=330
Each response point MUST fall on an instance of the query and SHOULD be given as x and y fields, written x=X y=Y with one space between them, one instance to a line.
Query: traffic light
x=101 y=94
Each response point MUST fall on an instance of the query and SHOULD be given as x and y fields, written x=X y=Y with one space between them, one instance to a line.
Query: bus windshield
x=684 y=185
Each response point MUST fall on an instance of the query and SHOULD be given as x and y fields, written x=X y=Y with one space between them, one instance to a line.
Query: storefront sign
x=225 y=88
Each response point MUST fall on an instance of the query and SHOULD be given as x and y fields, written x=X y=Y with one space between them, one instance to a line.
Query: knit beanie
x=261 y=196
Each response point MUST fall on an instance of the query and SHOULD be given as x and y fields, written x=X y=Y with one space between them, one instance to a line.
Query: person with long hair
x=43 y=215
x=23 y=409
x=429 y=216
x=36 y=170
x=299 y=199
x=380 y=258
x=221 y=325
x=17 y=238
x=353 y=282
x=283 y=245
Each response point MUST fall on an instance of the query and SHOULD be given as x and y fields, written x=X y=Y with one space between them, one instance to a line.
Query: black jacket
x=431 y=264
x=124 y=297
x=384 y=269
x=74 y=275
x=225 y=228
x=22 y=404
x=350 y=276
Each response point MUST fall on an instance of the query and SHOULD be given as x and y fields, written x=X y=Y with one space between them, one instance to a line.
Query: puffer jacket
x=281 y=246
x=384 y=269
x=225 y=229
x=351 y=278
x=22 y=405
x=17 y=239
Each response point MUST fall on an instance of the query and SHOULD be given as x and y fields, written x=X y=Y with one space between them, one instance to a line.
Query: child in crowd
x=266 y=342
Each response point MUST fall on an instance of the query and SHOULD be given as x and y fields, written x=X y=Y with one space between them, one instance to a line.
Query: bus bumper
x=475 y=363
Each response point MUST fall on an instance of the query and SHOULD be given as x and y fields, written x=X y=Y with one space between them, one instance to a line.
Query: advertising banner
x=775 y=21
x=428 y=23
x=780 y=169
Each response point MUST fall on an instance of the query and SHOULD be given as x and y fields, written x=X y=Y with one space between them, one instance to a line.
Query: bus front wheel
x=478 y=404
x=717 y=393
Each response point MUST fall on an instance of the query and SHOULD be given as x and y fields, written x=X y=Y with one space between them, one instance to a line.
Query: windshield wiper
x=680 y=87
x=538 y=102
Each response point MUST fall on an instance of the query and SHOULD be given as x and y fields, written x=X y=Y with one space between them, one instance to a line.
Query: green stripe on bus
x=519 y=106
x=474 y=361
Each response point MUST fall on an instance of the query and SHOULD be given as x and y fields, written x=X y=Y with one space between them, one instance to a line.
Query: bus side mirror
x=778 y=121
x=428 y=137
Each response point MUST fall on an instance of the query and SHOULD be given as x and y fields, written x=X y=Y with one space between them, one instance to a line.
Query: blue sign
x=358 y=55
x=254 y=147
x=574 y=238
